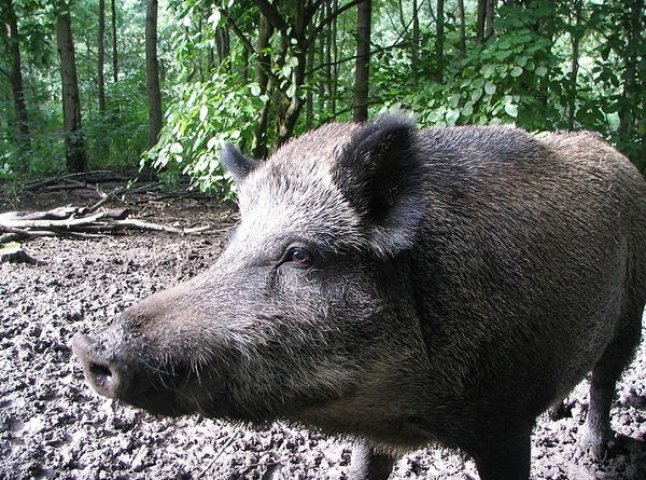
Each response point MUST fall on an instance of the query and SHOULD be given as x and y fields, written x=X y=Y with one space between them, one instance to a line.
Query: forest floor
x=53 y=426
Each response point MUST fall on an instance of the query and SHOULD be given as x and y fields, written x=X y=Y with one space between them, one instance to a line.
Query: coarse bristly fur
x=405 y=286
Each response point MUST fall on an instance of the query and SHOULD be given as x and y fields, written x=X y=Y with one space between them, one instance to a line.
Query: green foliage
x=202 y=117
x=499 y=81
x=523 y=74
x=119 y=138
x=46 y=155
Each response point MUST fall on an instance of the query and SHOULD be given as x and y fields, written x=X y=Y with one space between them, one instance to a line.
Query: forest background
x=121 y=83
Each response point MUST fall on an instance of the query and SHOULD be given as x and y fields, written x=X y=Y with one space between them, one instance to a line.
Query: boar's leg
x=618 y=354
x=506 y=456
x=369 y=464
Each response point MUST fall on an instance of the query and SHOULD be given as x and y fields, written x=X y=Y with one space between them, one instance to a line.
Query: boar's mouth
x=131 y=380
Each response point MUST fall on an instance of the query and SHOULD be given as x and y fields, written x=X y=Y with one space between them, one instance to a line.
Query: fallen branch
x=82 y=222
x=97 y=176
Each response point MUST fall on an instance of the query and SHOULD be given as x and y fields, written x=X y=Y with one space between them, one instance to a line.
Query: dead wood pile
x=82 y=222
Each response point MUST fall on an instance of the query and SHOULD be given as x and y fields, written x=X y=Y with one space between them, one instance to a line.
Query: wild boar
x=408 y=287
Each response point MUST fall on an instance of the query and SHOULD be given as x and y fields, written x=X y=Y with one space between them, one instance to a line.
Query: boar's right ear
x=382 y=175
x=236 y=163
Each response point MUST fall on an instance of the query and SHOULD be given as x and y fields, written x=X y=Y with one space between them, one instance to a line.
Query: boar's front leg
x=368 y=463
x=506 y=456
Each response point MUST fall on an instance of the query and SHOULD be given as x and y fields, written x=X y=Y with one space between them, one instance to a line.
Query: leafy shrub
x=200 y=120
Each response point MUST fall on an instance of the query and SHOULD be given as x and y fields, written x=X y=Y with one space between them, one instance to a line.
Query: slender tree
x=480 y=20
x=152 y=75
x=362 y=65
x=115 y=60
x=223 y=43
x=462 y=47
x=416 y=47
x=309 y=102
x=484 y=20
x=632 y=21
x=488 y=28
x=263 y=66
x=296 y=37
x=101 y=58
x=439 y=42
x=575 y=38
x=11 y=38
x=73 y=126
x=332 y=56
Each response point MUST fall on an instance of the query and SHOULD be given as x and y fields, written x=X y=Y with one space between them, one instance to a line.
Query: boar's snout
x=101 y=371
x=112 y=372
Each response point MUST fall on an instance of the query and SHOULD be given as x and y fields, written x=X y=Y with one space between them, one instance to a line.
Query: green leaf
x=541 y=71
x=255 y=89
x=215 y=17
x=204 y=113
x=176 y=148
x=516 y=72
x=487 y=70
x=286 y=71
x=212 y=143
x=452 y=116
x=511 y=109
x=490 y=88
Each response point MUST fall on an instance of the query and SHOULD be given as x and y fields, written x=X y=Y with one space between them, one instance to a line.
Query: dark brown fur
x=458 y=282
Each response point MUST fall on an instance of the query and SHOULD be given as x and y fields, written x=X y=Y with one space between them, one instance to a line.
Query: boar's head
x=306 y=315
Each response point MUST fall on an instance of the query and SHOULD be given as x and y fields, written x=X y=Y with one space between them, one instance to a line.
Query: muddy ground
x=53 y=427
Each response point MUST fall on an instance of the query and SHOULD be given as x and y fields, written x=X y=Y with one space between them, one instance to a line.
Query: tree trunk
x=462 y=48
x=480 y=20
x=101 y=58
x=329 y=66
x=115 y=62
x=631 y=20
x=488 y=27
x=439 y=42
x=152 y=75
x=416 y=42
x=263 y=65
x=223 y=43
x=324 y=76
x=10 y=31
x=74 y=137
x=294 y=40
x=575 y=38
x=309 y=102
x=362 y=65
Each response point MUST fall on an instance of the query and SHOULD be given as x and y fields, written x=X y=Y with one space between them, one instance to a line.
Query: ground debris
x=78 y=221
x=13 y=252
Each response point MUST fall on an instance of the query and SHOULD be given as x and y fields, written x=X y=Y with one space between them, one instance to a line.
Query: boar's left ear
x=382 y=176
x=236 y=163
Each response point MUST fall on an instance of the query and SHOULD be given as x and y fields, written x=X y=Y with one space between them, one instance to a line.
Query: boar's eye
x=299 y=255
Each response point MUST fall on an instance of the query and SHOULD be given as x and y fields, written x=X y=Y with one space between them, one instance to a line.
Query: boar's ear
x=236 y=163
x=381 y=174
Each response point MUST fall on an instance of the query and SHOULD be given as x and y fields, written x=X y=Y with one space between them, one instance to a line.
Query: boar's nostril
x=102 y=378
x=99 y=371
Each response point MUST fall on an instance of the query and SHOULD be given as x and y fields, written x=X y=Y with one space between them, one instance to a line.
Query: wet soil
x=52 y=426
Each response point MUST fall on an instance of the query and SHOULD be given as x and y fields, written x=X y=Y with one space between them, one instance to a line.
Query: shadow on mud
x=628 y=459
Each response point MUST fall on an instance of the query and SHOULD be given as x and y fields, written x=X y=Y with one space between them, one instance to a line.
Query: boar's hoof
x=595 y=443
